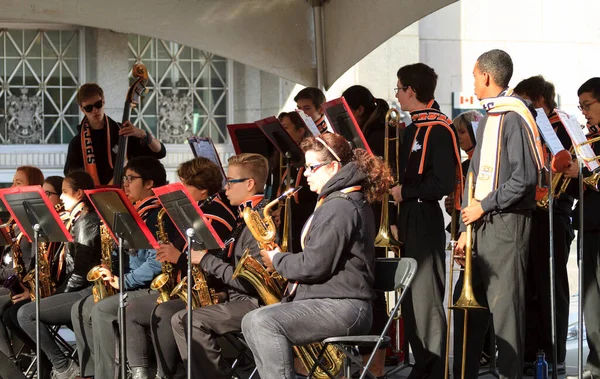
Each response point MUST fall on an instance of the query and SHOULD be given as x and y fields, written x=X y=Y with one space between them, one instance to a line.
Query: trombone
x=384 y=237
x=467 y=299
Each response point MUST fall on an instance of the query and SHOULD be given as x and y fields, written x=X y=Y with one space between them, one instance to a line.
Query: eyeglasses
x=586 y=107
x=90 y=107
x=315 y=167
x=50 y=193
x=233 y=181
x=130 y=178
x=400 y=88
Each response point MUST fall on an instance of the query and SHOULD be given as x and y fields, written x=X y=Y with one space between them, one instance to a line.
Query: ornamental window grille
x=39 y=77
x=187 y=91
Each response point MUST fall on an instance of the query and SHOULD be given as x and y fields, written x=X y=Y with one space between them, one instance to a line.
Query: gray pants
x=502 y=245
x=272 y=331
x=209 y=323
x=96 y=333
x=54 y=310
x=421 y=228
x=591 y=297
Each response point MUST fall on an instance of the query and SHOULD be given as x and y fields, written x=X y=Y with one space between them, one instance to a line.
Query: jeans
x=272 y=331
x=54 y=310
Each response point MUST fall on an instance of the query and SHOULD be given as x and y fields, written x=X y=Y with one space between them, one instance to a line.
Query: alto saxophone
x=165 y=281
x=12 y=283
x=101 y=289
x=270 y=286
x=202 y=295
x=47 y=287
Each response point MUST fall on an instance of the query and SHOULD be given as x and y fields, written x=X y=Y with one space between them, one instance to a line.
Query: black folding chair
x=391 y=274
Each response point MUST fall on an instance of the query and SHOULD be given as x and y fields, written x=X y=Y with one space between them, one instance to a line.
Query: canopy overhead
x=277 y=36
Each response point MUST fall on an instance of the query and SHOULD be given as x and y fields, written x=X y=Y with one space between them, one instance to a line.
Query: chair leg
x=318 y=363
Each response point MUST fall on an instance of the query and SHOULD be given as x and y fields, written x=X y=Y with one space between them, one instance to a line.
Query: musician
x=24 y=176
x=589 y=104
x=429 y=169
x=202 y=178
x=538 y=334
x=333 y=276
x=501 y=212
x=95 y=324
x=78 y=258
x=94 y=148
x=309 y=100
x=246 y=178
x=369 y=113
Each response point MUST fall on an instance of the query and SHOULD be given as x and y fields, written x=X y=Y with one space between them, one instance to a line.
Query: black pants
x=145 y=318
x=478 y=322
x=502 y=245
x=421 y=229
x=208 y=324
x=538 y=311
x=591 y=297
x=11 y=321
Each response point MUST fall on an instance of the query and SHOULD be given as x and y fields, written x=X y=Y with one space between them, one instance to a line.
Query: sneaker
x=71 y=372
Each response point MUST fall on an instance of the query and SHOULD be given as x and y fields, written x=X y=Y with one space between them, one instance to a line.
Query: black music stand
x=126 y=226
x=248 y=138
x=192 y=223
x=289 y=150
x=343 y=122
x=204 y=147
x=37 y=219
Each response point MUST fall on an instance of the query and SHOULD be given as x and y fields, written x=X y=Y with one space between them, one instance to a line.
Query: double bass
x=136 y=90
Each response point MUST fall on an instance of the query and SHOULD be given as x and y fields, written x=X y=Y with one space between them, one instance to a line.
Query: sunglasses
x=90 y=107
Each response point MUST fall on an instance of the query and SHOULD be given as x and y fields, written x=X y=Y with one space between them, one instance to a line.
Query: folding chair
x=237 y=342
x=391 y=274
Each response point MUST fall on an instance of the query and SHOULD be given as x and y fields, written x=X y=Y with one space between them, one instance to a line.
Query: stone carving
x=174 y=117
x=25 y=119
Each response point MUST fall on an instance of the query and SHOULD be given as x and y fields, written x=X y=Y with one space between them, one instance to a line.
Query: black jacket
x=135 y=148
x=591 y=202
x=339 y=252
x=82 y=254
x=239 y=288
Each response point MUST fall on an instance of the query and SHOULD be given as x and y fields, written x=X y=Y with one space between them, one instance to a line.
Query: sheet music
x=309 y=122
x=204 y=147
x=550 y=137
x=585 y=152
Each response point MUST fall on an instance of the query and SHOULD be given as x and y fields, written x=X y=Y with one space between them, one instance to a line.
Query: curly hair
x=201 y=173
x=379 y=178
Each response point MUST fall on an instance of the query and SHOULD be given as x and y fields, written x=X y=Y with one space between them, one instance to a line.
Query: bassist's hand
x=129 y=130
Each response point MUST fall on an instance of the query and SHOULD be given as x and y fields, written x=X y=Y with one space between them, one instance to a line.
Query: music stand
x=290 y=151
x=37 y=219
x=204 y=147
x=124 y=224
x=343 y=122
x=248 y=138
x=191 y=222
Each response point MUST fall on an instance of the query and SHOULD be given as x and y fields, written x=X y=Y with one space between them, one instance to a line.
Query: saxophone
x=165 y=281
x=102 y=289
x=202 y=295
x=12 y=282
x=270 y=286
x=47 y=287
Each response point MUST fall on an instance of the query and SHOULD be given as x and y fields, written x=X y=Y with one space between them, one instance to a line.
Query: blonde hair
x=255 y=167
